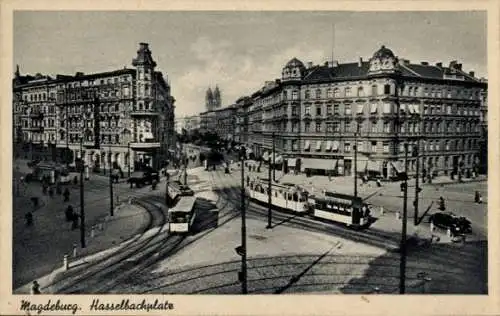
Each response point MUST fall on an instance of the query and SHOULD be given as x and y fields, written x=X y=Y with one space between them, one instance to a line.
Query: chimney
x=143 y=46
x=440 y=65
x=309 y=64
x=327 y=63
x=453 y=64
x=360 y=62
x=471 y=73
x=335 y=63
x=424 y=63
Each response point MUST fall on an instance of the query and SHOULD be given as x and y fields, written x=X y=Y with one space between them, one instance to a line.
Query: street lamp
x=356 y=134
x=82 y=198
x=242 y=250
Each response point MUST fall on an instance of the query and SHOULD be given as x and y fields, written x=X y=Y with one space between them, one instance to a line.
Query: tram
x=330 y=206
x=340 y=208
x=181 y=216
x=284 y=196
x=54 y=172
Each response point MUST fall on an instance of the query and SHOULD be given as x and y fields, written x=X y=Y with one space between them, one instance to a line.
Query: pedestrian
x=35 y=288
x=66 y=195
x=69 y=213
x=29 y=219
x=74 y=219
x=44 y=188
x=378 y=183
x=153 y=184
x=476 y=197
x=442 y=206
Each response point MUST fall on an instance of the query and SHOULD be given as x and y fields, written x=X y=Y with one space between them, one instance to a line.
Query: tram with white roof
x=181 y=217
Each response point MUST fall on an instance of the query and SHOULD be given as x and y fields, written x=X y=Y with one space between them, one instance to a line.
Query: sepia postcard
x=249 y=158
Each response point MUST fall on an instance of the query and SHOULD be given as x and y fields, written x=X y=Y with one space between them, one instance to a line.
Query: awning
x=329 y=145
x=411 y=108
x=322 y=164
x=147 y=135
x=307 y=145
x=416 y=107
x=398 y=166
x=373 y=108
x=335 y=145
x=373 y=165
x=402 y=107
x=318 y=145
x=361 y=164
x=292 y=162
x=265 y=156
x=278 y=159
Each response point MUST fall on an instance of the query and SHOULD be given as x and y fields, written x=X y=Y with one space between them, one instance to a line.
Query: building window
x=347 y=92
x=294 y=110
x=318 y=127
x=318 y=110
x=374 y=127
x=307 y=127
x=387 y=127
x=361 y=92
x=347 y=147
x=348 y=109
x=329 y=93
x=387 y=108
x=374 y=147
x=295 y=127
x=385 y=146
x=374 y=90
x=329 y=108
x=295 y=95
x=307 y=110
x=318 y=93
x=387 y=89
x=295 y=145
x=285 y=95
x=329 y=127
x=336 y=126
x=336 y=93
x=359 y=146
x=307 y=94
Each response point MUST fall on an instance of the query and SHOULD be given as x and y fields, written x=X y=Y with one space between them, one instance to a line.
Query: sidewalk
x=110 y=234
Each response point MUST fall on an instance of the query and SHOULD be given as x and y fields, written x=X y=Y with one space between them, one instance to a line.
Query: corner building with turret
x=320 y=112
x=111 y=119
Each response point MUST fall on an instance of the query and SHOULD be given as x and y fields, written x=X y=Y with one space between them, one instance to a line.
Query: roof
x=355 y=71
x=383 y=52
x=294 y=62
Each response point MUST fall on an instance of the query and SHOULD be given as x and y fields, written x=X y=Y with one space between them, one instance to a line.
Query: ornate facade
x=213 y=99
x=121 y=117
x=319 y=113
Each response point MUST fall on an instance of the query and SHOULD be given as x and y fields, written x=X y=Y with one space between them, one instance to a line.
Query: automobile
x=140 y=178
x=33 y=163
x=448 y=220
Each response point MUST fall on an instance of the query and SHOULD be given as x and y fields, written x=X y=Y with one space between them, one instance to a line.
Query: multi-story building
x=241 y=120
x=187 y=123
x=119 y=117
x=320 y=113
x=221 y=121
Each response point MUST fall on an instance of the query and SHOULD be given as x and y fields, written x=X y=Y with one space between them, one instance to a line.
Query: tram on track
x=181 y=217
x=284 y=196
x=330 y=206
x=340 y=208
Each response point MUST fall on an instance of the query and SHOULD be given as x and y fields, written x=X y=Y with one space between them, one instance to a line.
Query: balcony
x=36 y=115
x=35 y=129
x=144 y=145
x=144 y=112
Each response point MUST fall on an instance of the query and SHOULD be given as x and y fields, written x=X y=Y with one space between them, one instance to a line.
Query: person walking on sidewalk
x=66 y=195
x=35 y=288
x=442 y=206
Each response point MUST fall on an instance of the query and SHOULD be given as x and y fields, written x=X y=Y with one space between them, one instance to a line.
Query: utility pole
x=274 y=159
x=82 y=206
x=356 y=160
x=416 y=153
x=269 y=183
x=111 y=206
x=185 y=165
x=402 y=267
x=244 y=289
x=128 y=162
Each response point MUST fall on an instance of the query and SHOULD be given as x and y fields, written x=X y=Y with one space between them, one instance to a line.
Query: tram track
x=371 y=237
x=79 y=281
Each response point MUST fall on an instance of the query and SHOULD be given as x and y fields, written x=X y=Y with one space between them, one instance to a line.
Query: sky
x=238 y=51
